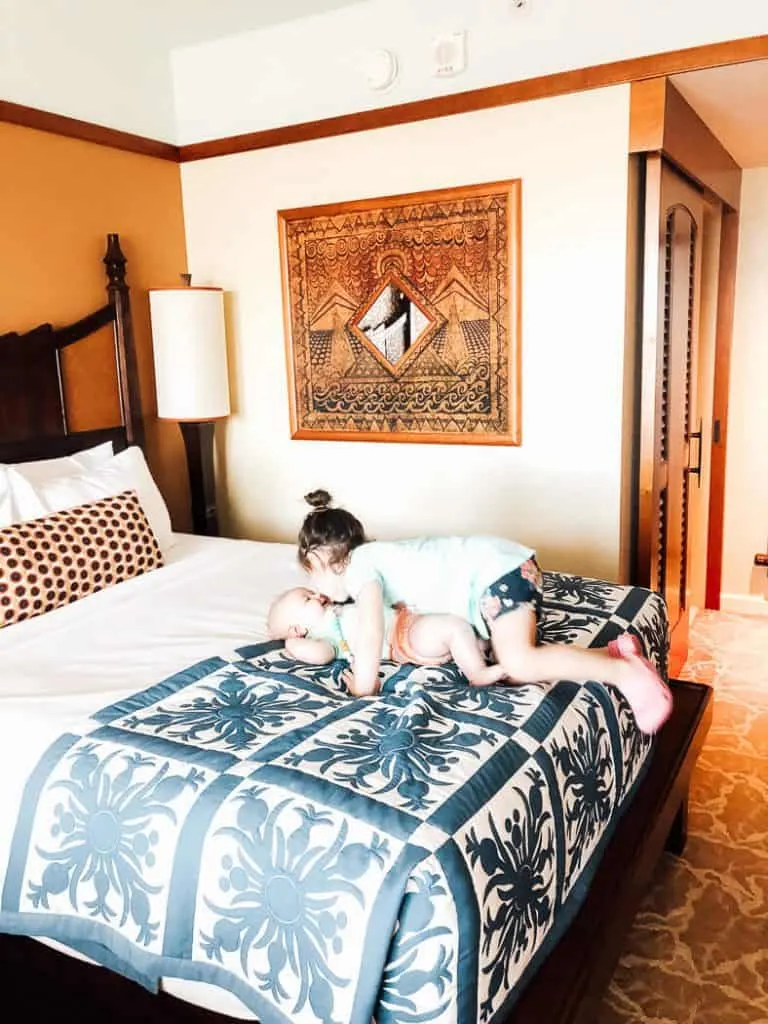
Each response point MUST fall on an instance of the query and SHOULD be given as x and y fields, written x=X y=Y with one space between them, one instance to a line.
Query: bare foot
x=647 y=693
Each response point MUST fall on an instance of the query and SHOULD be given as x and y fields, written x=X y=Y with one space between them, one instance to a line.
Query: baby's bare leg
x=444 y=636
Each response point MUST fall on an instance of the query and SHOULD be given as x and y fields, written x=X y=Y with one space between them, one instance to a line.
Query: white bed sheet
x=211 y=597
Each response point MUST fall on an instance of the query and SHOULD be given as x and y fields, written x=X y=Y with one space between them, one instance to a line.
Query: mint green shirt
x=339 y=628
x=436 y=574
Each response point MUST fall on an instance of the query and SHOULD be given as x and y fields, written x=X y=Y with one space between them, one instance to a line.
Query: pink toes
x=645 y=690
x=624 y=645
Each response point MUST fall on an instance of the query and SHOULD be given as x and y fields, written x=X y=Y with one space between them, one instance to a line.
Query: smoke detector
x=380 y=69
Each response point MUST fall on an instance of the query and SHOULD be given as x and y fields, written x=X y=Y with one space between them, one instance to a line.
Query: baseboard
x=744 y=604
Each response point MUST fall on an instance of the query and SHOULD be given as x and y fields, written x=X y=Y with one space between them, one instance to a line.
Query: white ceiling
x=733 y=102
x=186 y=22
x=42 y=40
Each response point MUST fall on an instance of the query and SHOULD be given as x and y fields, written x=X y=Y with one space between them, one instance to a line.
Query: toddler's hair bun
x=318 y=499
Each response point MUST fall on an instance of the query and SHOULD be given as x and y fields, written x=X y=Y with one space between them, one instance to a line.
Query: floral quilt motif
x=411 y=752
x=583 y=757
x=404 y=859
x=110 y=810
x=231 y=711
x=290 y=870
x=516 y=858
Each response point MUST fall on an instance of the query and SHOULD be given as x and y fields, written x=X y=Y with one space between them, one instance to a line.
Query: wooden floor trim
x=71 y=127
x=738 y=51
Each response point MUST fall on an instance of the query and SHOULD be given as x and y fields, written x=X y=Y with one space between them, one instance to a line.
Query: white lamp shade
x=190 y=353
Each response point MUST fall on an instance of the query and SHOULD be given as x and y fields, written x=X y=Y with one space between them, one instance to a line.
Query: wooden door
x=670 y=442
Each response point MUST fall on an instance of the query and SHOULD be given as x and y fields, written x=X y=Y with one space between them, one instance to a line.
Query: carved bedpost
x=125 y=348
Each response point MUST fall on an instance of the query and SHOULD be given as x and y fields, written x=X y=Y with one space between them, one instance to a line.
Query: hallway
x=698 y=951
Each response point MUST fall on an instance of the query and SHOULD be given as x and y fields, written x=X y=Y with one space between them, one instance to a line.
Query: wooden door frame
x=646 y=543
x=663 y=126
x=726 y=296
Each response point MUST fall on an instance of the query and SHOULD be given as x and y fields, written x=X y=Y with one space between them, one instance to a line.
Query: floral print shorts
x=523 y=586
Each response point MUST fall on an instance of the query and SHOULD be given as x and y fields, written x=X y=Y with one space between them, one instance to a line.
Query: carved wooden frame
x=454 y=255
x=33 y=414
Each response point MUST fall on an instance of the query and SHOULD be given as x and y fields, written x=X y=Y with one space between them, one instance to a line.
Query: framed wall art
x=402 y=317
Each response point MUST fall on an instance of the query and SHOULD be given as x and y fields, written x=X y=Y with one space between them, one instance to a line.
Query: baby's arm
x=313 y=652
x=370 y=636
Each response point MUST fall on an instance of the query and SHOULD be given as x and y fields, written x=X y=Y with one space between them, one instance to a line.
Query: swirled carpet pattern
x=698 y=950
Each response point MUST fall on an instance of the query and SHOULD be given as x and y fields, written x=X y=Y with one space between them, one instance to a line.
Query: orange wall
x=59 y=198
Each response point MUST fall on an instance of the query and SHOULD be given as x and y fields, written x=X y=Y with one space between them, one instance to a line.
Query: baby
x=316 y=631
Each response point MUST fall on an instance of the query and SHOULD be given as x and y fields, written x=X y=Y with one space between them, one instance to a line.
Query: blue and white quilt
x=409 y=858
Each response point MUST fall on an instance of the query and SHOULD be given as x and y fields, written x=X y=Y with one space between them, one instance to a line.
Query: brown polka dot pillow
x=67 y=555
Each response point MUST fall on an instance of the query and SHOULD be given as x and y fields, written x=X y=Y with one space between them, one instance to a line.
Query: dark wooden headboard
x=33 y=414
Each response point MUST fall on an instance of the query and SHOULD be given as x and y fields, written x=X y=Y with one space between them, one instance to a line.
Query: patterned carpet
x=698 y=951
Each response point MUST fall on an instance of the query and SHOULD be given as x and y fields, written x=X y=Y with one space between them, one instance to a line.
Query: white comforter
x=56 y=669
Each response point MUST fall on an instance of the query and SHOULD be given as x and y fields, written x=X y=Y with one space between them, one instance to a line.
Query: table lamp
x=190 y=356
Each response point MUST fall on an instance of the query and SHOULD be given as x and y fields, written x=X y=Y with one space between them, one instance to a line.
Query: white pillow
x=6 y=502
x=127 y=470
x=47 y=469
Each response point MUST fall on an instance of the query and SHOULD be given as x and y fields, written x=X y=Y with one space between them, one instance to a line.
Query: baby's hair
x=326 y=527
x=277 y=623
x=275 y=619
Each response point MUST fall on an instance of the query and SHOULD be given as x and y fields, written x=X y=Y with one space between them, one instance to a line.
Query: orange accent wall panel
x=59 y=197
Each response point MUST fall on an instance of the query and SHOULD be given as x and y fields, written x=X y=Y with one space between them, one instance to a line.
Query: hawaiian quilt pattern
x=408 y=858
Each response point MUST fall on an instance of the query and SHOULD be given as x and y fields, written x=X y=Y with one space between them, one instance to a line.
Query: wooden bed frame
x=33 y=413
x=567 y=987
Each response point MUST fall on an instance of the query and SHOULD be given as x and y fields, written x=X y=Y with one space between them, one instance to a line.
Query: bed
x=232 y=836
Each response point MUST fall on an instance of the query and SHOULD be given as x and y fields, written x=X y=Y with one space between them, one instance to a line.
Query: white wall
x=312 y=68
x=560 y=490
x=746 y=485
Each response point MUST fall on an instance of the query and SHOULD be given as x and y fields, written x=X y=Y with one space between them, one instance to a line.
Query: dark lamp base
x=198 y=440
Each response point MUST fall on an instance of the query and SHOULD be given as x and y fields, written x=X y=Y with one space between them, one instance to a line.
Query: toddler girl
x=493 y=583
